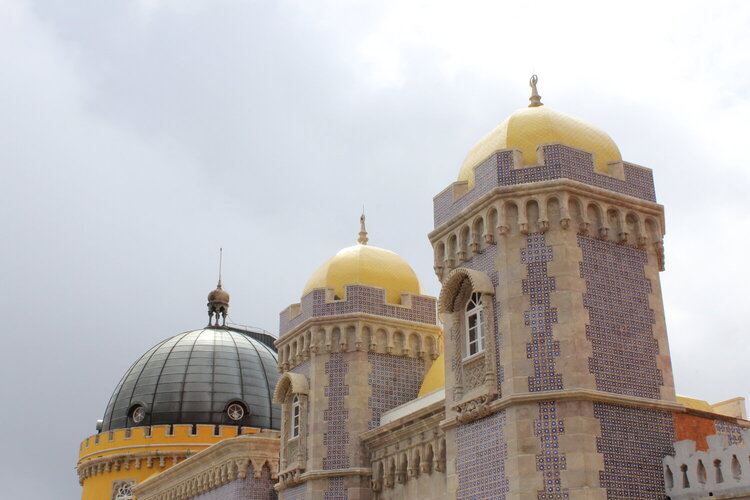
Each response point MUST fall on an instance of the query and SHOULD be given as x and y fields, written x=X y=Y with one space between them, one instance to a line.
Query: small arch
x=415 y=344
x=532 y=215
x=429 y=456
x=381 y=340
x=290 y=383
x=431 y=348
x=510 y=216
x=398 y=342
x=335 y=339
x=439 y=253
x=477 y=235
x=366 y=337
x=479 y=282
x=575 y=211
x=351 y=337
x=452 y=249
x=463 y=243
x=594 y=215
x=554 y=210
x=491 y=225
x=416 y=462
x=653 y=229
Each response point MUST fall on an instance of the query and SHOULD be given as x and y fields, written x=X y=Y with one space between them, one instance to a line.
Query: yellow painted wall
x=118 y=443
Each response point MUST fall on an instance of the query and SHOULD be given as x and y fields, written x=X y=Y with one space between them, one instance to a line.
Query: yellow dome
x=435 y=377
x=527 y=128
x=366 y=265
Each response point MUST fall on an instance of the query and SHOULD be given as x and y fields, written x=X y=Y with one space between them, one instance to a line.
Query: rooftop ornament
x=536 y=99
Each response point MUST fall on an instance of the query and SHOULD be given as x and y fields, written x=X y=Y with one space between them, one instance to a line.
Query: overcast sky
x=137 y=137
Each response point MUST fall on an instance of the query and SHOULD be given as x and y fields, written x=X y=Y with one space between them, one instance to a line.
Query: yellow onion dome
x=530 y=127
x=434 y=379
x=366 y=265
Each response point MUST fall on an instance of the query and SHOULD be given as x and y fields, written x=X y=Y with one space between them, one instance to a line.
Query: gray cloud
x=136 y=141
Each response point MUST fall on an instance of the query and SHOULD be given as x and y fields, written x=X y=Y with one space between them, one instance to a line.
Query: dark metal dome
x=199 y=377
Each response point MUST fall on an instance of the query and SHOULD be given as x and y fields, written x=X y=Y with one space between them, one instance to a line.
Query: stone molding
x=213 y=467
x=571 y=394
x=616 y=217
x=147 y=459
x=357 y=332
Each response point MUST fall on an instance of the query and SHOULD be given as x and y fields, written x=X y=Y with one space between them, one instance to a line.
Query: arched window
x=295 y=416
x=474 y=325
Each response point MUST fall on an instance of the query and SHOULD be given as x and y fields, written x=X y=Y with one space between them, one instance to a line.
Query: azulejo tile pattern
x=633 y=442
x=538 y=286
x=336 y=489
x=336 y=438
x=561 y=162
x=550 y=461
x=731 y=431
x=620 y=325
x=481 y=452
x=295 y=492
x=362 y=299
x=394 y=380
x=250 y=488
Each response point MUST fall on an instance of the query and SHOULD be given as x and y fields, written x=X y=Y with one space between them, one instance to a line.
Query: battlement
x=358 y=298
x=121 y=441
x=556 y=161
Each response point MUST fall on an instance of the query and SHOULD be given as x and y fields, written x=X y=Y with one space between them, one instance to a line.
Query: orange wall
x=695 y=427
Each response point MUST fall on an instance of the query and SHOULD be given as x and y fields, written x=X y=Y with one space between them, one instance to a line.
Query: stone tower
x=358 y=344
x=558 y=375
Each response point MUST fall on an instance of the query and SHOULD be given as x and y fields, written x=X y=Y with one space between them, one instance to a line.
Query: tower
x=358 y=344
x=185 y=394
x=558 y=376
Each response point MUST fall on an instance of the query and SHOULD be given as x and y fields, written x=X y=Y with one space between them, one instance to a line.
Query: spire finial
x=218 y=301
x=362 y=230
x=536 y=99
x=221 y=255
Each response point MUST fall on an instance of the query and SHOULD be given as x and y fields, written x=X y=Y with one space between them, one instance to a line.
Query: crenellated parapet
x=472 y=221
x=505 y=169
x=361 y=321
x=141 y=451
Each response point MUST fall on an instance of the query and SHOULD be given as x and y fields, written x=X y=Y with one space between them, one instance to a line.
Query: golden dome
x=435 y=377
x=366 y=265
x=529 y=127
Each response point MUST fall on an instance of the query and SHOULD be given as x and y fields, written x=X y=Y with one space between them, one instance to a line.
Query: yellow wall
x=117 y=444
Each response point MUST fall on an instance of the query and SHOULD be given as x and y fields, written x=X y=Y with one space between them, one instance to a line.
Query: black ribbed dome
x=193 y=378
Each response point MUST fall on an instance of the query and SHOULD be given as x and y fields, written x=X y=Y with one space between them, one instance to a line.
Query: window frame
x=474 y=310
x=296 y=419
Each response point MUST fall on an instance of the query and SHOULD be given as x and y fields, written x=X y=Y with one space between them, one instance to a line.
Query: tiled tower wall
x=356 y=388
x=624 y=361
x=250 y=488
x=572 y=312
